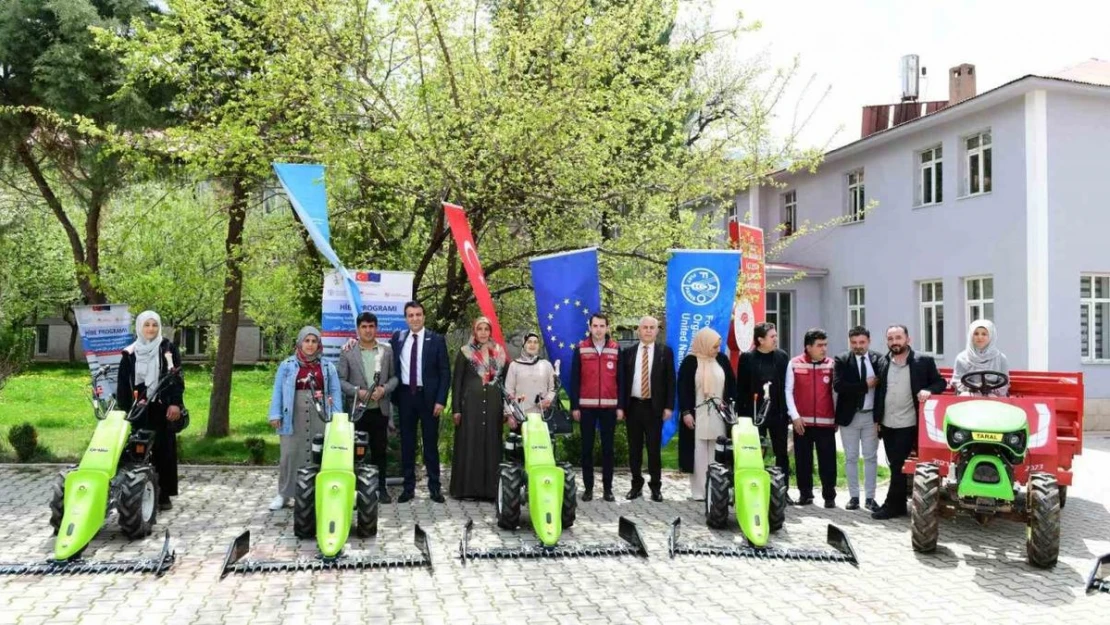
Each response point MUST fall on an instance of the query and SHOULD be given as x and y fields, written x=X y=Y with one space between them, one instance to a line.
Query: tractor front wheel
x=366 y=501
x=304 y=503
x=1042 y=543
x=776 y=512
x=717 y=485
x=138 y=501
x=57 y=501
x=570 y=496
x=925 y=508
x=510 y=490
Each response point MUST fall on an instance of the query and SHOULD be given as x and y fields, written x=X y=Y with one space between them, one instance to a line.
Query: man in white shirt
x=646 y=400
x=855 y=376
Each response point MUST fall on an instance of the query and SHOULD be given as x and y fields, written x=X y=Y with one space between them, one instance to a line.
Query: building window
x=1094 y=317
x=779 y=313
x=978 y=163
x=42 y=339
x=855 y=196
x=193 y=341
x=930 y=178
x=789 y=213
x=980 y=298
x=932 y=318
x=856 y=303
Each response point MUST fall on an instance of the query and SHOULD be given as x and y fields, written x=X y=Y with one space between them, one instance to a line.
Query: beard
x=897 y=349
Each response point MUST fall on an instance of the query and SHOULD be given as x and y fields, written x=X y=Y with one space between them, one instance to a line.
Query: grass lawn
x=54 y=398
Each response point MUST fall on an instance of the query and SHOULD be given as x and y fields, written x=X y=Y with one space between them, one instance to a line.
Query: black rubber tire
x=510 y=491
x=1063 y=496
x=304 y=503
x=570 y=497
x=366 y=501
x=1042 y=544
x=925 y=508
x=776 y=511
x=717 y=499
x=57 y=500
x=136 y=485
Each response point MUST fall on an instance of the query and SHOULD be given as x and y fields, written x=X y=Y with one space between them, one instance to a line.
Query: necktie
x=645 y=389
x=862 y=378
x=413 y=360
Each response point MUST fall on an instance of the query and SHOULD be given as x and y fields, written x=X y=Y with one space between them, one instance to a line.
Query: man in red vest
x=593 y=401
x=809 y=401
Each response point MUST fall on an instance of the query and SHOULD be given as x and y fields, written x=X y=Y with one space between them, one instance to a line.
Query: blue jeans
x=608 y=420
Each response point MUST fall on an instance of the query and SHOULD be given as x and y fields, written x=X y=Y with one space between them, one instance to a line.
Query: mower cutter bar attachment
x=158 y=565
x=1099 y=579
x=836 y=538
x=234 y=563
x=626 y=529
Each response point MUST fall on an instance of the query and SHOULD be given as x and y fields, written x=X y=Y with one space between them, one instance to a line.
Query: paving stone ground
x=976 y=575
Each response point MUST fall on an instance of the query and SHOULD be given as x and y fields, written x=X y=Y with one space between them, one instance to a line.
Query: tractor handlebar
x=139 y=406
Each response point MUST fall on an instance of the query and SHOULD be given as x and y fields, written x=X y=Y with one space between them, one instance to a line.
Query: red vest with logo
x=598 y=382
x=813 y=395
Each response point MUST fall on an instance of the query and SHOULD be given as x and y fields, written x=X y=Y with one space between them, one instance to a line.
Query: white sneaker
x=277 y=503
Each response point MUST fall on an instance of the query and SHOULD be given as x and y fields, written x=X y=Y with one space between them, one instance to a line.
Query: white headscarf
x=987 y=359
x=146 y=352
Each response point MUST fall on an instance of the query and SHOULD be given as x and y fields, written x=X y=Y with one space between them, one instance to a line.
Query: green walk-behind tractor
x=530 y=474
x=114 y=474
x=337 y=488
x=973 y=464
x=738 y=477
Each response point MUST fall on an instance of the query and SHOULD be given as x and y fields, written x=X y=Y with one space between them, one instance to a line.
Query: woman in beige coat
x=530 y=377
x=705 y=373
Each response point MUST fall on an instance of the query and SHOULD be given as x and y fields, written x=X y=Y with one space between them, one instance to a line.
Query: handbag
x=179 y=426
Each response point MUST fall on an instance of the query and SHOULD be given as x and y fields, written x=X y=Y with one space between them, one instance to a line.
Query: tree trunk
x=218 y=419
x=70 y=317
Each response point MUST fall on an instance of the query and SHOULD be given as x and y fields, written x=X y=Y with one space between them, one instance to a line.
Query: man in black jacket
x=766 y=363
x=647 y=381
x=855 y=376
x=907 y=379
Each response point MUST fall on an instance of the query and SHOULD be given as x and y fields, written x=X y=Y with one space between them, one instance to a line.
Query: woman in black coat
x=144 y=363
x=705 y=373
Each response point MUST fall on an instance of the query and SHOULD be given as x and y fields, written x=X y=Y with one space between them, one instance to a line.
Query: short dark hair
x=366 y=317
x=762 y=330
x=815 y=334
x=413 y=304
x=859 y=331
x=599 y=315
x=900 y=327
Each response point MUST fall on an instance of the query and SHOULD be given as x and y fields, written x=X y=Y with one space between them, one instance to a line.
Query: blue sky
x=855 y=46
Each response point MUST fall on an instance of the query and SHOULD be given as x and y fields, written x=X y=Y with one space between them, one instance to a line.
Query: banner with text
x=751 y=305
x=701 y=289
x=460 y=229
x=383 y=293
x=104 y=330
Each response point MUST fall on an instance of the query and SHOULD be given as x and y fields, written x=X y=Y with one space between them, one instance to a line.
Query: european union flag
x=567 y=293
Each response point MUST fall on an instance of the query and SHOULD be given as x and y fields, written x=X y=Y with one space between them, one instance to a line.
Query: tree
x=61 y=112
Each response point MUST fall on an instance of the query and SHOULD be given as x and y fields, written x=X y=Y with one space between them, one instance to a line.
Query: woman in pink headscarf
x=476 y=406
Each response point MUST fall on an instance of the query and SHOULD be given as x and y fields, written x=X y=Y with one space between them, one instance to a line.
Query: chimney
x=961 y=83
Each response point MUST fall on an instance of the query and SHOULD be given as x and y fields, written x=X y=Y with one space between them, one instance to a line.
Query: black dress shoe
x=405 y=497
x=165 y=505
x=383 y=496
x=588 y=495
x=883 y=513
x=830 y=503
x=436 y=496
x=790 y=500
x=871 y=505
x=656 y=496
x=608 y=496
x=804 y=501
x=853 y=504
x=635 y=493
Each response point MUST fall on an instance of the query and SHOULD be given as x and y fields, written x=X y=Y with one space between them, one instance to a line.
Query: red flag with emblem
x=751 y=307
x=460 y=229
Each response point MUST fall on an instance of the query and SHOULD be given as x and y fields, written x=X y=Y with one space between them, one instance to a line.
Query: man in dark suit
x=647 y=387
x=420 y=359
x=906 y=379
x=855 y=376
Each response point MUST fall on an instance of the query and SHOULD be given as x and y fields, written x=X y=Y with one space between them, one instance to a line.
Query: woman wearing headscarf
x=529 y=377
x=982 y=354
x=292 y=412
x=144 y=363
x=476 y=406
x=705 y=373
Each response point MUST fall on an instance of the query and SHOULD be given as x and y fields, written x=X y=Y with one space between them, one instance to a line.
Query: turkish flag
x=751 y=308
x=460 y=229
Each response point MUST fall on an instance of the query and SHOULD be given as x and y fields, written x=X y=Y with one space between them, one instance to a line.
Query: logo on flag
x=700 y=286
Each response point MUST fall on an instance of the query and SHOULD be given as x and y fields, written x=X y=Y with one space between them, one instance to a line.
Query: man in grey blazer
x=367 y=370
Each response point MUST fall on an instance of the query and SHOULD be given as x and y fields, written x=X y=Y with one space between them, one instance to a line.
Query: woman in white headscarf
x=982 y=354
x=705 y=373
x=144 y=363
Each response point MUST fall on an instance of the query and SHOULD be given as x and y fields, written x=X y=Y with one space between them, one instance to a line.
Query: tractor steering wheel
x=978 y=382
